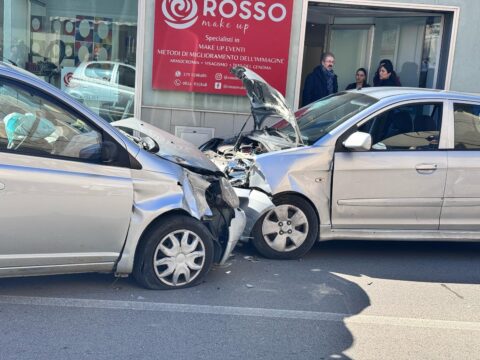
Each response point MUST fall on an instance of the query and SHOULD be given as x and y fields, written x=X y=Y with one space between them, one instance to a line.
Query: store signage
x=196 y=42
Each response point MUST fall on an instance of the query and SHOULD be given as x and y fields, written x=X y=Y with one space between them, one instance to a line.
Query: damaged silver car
x=373 y=164
x=79 y=195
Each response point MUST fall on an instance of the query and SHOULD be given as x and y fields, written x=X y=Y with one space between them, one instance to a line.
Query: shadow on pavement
x=437 y=262
x=289 y=291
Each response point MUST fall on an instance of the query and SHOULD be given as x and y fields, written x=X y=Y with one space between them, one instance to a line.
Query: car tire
x=175 y=254
x=288 y=231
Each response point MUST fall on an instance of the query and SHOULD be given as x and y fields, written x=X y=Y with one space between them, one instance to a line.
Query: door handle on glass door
x=426 y=167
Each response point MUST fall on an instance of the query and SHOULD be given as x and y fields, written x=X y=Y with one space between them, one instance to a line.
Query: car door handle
x=426 y=167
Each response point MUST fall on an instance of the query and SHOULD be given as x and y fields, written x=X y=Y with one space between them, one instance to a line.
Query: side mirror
x=358 y=141
x=149 y=144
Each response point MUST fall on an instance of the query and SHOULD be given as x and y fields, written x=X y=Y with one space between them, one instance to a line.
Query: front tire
x=288 y=231
x=177 y=253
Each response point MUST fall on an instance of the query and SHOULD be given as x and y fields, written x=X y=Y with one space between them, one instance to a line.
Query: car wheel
x=287 y=231
x=176 y=254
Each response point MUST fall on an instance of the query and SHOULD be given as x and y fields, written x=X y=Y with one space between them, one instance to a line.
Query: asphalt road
x=359 y=300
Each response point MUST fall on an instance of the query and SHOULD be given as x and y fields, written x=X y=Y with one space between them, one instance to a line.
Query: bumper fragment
x=254 y=203
x=234 y=232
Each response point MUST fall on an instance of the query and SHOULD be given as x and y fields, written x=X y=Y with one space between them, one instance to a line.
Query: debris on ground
x=251 y=258
x=249 y=286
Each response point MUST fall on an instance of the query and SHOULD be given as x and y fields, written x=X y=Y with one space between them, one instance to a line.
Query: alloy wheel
x=285 y=228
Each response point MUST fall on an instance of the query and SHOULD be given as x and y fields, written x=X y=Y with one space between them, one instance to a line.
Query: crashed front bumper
x=255 y=204
x=235 y=231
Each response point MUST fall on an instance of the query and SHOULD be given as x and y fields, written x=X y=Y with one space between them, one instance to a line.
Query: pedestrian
x=360 y=80
x=391 y=76
x=321 y=82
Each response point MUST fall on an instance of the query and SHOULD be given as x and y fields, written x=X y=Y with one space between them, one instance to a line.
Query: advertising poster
x=196 y=42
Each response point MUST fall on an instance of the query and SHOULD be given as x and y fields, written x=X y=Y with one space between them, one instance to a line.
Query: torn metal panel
x=255 y=203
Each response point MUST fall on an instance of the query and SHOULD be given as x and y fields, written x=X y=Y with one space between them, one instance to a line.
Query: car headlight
x=228 y=194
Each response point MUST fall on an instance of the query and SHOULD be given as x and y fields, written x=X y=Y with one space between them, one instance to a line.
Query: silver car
x=78 y=195
x=107 y=87
x=374 y=164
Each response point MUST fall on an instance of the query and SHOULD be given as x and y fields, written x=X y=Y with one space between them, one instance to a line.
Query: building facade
x=167 y=61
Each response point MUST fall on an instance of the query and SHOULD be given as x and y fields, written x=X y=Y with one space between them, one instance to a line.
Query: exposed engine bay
x=274 y=128
x=235 y=156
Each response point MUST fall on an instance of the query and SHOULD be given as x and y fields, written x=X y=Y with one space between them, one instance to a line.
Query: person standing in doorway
x=387 y=76
x=321 y=82
x=360 y=80
x=391 y=76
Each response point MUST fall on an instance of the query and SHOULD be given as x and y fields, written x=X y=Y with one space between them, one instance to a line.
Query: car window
x=33 y=125
x=467 y=126
x=408 y=127
x=99 y=71
x=126 y=76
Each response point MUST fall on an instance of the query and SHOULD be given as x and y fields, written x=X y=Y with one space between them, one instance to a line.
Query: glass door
x=352 y=47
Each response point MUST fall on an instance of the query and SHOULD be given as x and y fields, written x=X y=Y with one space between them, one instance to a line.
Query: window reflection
x=77 y=48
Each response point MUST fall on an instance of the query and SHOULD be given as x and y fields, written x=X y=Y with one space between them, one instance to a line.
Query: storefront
x=181 y=51
x=86 y=48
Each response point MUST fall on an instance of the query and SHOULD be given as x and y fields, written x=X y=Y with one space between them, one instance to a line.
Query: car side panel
x=58 y=212
x=388 y=190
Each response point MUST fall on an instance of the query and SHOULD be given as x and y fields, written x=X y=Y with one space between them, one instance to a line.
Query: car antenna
x=240 y=133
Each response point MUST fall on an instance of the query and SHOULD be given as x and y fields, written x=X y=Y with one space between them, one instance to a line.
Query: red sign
x=196 y=42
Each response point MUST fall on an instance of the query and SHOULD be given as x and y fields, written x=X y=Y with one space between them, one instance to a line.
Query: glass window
x=319 y=118
x=467 y=126
x=33 y=125
x=70 y=43
x=126 y=76
x=99 y=71
x=408 y=127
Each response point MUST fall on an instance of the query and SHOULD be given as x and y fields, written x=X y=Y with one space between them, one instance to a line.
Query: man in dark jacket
x=321 y=82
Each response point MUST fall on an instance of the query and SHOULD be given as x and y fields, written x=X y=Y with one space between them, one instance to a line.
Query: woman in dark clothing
x=387 y=76
x=387 y=65
x=360 y=80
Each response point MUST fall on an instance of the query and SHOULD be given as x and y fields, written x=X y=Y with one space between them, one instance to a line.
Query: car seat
x=399 y=122
x=425 y=123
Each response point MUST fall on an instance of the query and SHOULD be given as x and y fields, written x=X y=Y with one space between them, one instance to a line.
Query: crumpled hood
x=264 y=99
x=172 y=148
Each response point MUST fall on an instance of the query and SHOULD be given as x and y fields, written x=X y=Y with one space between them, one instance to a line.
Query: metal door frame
x=455 y=10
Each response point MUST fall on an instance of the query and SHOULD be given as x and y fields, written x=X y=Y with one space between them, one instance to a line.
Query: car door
x=60 y=204
x=461 y=207
x=399 y=182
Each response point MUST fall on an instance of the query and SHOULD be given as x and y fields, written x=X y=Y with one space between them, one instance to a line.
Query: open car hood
x=171 y=147
x=265 y=100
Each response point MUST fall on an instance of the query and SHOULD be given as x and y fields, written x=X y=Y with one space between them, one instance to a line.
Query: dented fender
x=182 y=191
x=306 y=171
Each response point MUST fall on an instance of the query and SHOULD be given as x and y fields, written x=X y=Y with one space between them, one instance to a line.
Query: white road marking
x=241 y=311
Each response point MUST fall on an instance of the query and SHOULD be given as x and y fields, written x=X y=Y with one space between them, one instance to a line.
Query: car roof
x=86 y=63
x=416 y=93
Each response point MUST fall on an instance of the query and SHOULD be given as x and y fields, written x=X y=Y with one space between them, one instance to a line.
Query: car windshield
x=319 y=118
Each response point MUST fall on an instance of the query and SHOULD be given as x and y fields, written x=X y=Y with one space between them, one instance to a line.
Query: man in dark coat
x=321 y=82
